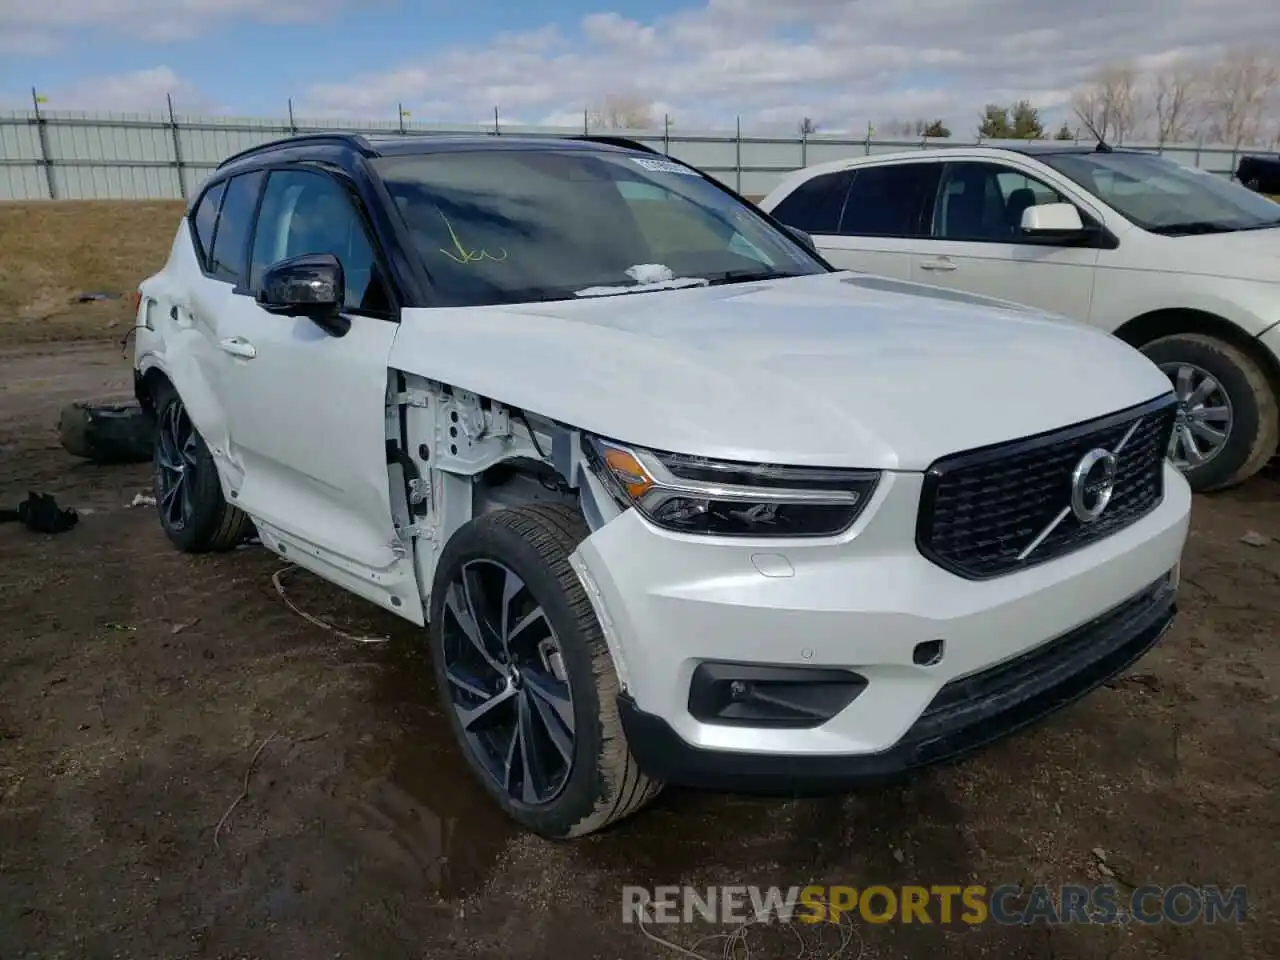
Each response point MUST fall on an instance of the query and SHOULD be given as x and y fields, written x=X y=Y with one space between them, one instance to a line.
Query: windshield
x=513 y=226
x=1167 y=197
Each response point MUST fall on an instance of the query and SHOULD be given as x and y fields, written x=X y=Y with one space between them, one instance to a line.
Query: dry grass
x=53 y=251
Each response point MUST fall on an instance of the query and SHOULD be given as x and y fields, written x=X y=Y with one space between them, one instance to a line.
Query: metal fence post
x=804 y=146
x=666 y=134
x=400 y=115
x=177 y=147
x=42 y=135
x=293 y=127
x=737 y=162
x=586 y=123
x=497 y=130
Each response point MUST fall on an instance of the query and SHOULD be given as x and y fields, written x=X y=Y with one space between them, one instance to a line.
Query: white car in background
x=1179 y=262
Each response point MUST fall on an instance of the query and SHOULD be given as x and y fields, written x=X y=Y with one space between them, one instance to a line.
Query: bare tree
x=621 y=112
x=1240 y=88
x=1176 y=92
x=808 y=127
x=1110 y=102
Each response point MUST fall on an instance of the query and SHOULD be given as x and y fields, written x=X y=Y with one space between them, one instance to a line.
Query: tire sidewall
x=206 y=492
x=483 y=539
x=1245 y=409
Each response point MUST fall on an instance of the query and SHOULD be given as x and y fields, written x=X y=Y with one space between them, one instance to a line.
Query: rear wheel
x=1228 y=423
x=526 y=678
x=193 y=512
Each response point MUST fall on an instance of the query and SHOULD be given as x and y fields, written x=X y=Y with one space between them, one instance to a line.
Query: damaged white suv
x=678 y=502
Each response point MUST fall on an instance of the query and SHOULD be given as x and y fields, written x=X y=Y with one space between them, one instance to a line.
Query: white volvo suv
x=676 y=501
x=1181 y=263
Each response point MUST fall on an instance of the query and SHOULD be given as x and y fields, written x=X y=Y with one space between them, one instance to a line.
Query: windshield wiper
x=676 y=283
x=1189 y=227
x=747 y=276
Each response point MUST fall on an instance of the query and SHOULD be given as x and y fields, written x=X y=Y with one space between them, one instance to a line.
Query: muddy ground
x=137 y=685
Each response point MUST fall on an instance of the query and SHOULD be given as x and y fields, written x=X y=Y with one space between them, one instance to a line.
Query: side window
x=815 y=205
x=204 y=220
x=889 y=201
x=984 y=202
x=235 y=224
x=307 y=212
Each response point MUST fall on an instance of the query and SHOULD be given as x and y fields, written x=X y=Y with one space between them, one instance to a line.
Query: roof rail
x=626 y=142
x=352 y=140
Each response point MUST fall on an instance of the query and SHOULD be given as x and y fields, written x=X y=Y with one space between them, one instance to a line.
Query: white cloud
x=44 y=23
x=840 y=62
x=140 y=91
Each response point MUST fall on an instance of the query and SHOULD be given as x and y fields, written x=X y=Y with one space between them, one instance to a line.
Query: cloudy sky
x=841 y=62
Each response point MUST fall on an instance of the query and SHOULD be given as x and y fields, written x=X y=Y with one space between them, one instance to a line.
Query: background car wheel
x=193 y=512
x=1228 y=423
x=525 y=676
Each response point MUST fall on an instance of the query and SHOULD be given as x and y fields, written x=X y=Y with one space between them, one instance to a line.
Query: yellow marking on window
x=463 y=255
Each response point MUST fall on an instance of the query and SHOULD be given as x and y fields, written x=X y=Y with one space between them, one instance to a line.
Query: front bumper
x=966 y=714
x=865 y=603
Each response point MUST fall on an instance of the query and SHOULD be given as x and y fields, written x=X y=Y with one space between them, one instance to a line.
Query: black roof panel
x=409 y=144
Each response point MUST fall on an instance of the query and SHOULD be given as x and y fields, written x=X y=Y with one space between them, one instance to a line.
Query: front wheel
x=525 y=676
x=1228 y=423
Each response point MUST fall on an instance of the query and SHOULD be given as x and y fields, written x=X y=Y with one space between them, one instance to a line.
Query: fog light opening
x=929 y=653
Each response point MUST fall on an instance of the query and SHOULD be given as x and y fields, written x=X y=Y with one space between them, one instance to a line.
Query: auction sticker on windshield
x=664 y=166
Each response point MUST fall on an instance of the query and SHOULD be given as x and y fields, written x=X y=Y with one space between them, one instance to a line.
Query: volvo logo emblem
x=1092 y=482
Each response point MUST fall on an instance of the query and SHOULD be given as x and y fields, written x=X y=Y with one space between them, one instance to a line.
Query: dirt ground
x=138 y=684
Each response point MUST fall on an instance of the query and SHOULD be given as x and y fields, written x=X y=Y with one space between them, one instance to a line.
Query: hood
x=1243 y=255
x=836 y=369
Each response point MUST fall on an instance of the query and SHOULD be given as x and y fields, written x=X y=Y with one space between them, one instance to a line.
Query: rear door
x=976 y=244
x=883 y=219
x=307 y=411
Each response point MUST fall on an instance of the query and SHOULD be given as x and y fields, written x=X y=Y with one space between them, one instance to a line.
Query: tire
x=107 y=433
x=601 y=782
x=1254 y=427
x=206 y=523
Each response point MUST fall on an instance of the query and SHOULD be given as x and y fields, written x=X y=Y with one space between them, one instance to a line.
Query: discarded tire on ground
x=107 y=432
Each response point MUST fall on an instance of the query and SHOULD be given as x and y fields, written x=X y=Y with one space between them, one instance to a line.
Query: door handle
x=239 y=347
x=941 y=264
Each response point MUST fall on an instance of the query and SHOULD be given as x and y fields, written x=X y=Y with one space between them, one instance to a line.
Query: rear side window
x=206 y=216
x=235 y=224
x=890 y=201
x=815 y=205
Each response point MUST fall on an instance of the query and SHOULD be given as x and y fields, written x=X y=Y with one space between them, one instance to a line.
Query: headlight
x=717 y=498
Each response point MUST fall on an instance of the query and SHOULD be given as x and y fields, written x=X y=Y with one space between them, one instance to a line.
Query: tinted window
x=235 y=223
x=889 y=201
x=312 y=213
x=513 y=226
x=815 y=205
x=984 y=202
x=206 y=216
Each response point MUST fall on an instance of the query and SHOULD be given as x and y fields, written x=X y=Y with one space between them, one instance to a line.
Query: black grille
x=971 y=710
x=980 y=509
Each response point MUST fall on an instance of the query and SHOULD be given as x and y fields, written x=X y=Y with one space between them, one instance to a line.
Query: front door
x=307 y=411
x=976 y=244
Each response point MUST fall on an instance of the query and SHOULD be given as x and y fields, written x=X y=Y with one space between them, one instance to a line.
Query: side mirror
x=311 y=286
x=1052 y=220
x=802 y=237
